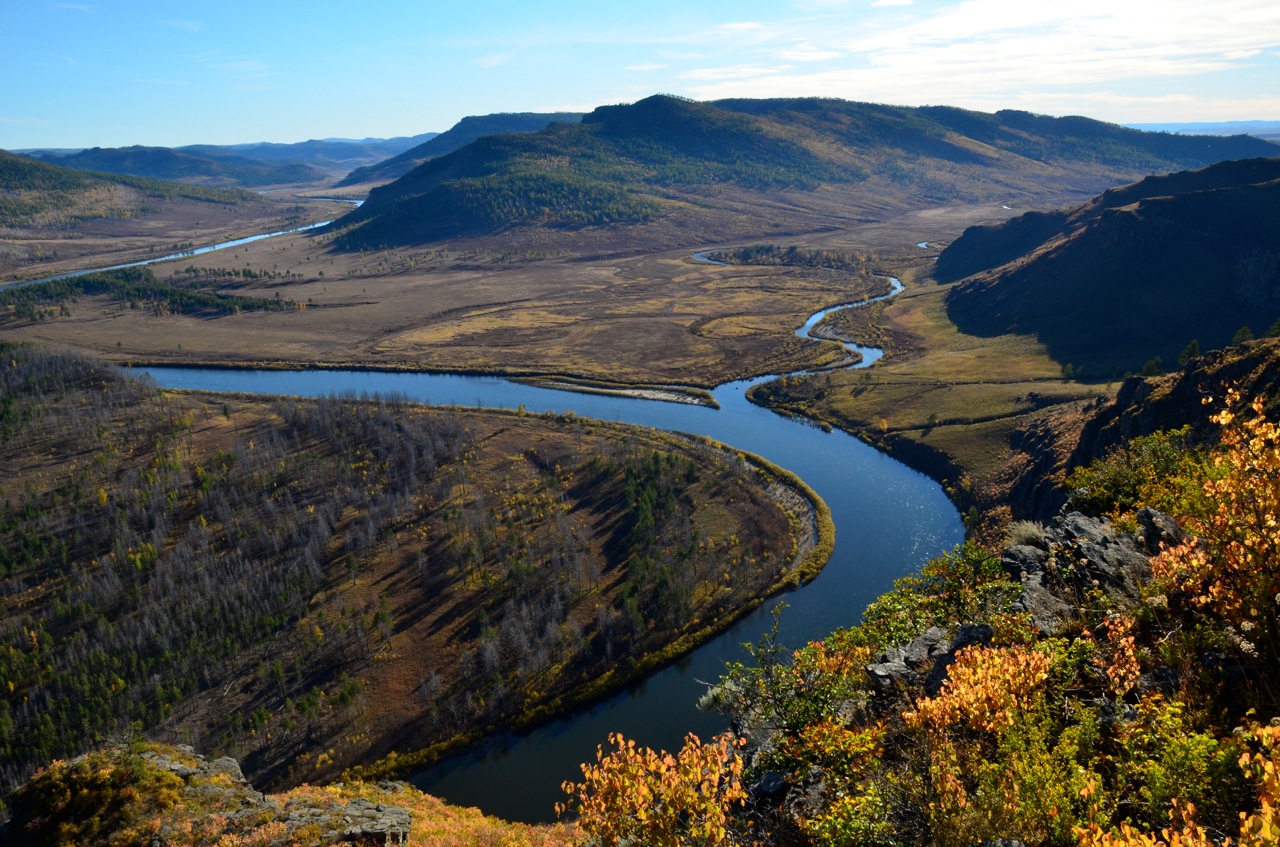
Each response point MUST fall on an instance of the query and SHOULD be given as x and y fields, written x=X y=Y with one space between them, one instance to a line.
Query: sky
x=112 y=73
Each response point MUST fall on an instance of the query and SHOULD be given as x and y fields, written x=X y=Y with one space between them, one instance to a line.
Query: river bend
x=889 y=520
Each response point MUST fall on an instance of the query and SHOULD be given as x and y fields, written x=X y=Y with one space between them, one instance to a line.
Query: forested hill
x=459 y=135
x=1138 y=273
x=34 y=192
x=187 y=166
x=688 y=171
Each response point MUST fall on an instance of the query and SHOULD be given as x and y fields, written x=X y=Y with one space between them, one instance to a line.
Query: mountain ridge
x=1146 y=267
x=694 y=171
x=460 y=134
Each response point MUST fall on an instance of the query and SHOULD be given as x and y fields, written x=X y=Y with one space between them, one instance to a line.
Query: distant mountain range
x=337 y=155
x=1136 y=273
x=1269 y=130
x=460 y=134
x=239 y=164
x=675 y=172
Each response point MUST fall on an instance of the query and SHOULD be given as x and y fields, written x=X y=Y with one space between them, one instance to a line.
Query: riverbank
x=445 y=572
x=814 y=540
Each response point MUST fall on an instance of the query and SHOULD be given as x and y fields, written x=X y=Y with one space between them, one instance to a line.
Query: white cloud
x=646 y=67
x=807 y=53
x=23 y=121
x=879 y=3
x=1037 y=54
x=493 y=60
x=742 y=26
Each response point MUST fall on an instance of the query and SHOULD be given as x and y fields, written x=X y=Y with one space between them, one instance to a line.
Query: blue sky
x=117 y=72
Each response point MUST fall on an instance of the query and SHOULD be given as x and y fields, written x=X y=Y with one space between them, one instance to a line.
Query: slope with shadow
x=190 y=166
x=1138 y=272
x=459 y=135
x=676 y=172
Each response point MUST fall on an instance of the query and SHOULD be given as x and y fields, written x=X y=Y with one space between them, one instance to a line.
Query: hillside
x=459 y=135
x=1101 y=679
x=193 y=166
x=1147 y=268
x=1046 y=449
x=309 y=585
x=36 y=192
x=670 y=172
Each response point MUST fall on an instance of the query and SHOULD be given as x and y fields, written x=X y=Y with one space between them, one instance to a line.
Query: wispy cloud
x=161 y=81
x=23 y=121
x=741 y=26
x=994 y=53
x=494 y=60
x=189 y=26
x=879 y=3
x=646 y=67
x=807 y=53
x=73 y=7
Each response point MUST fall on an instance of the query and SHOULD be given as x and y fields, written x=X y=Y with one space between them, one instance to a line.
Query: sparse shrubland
x=135 y=288
x=293 y=581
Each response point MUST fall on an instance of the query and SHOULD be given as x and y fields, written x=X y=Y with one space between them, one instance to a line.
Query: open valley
x=743 y=466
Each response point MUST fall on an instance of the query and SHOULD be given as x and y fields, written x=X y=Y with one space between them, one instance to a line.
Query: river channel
x=889 y=520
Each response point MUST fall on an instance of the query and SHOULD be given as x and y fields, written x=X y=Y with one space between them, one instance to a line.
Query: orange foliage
x=983 y=689
x=1122 y=666
x=654 y=798
x=1232 y=567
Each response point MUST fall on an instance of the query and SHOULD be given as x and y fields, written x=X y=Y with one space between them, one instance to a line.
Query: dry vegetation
x=651 y=319
x=113 y=224
x=310 y=584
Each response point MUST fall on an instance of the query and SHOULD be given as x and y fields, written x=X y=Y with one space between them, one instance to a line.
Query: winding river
x=889 y=519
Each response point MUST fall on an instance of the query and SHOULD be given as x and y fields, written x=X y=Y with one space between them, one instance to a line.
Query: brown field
x=166 y=226
x=650 y=319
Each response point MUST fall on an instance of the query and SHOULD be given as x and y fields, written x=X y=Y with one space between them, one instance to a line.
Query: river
x=889 y=520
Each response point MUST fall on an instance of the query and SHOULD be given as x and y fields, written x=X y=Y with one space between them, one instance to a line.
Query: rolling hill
x=193 y=166
x=34 y=193
x=677 y=172
x=459 y=135
x=1136 y=273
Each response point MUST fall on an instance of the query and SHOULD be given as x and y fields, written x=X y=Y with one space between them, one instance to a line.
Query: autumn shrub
x=964 y=585
x=108 y=797
x=1165 y=471
x=1259 y=763
x=638 y=795
x=1228 y=572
